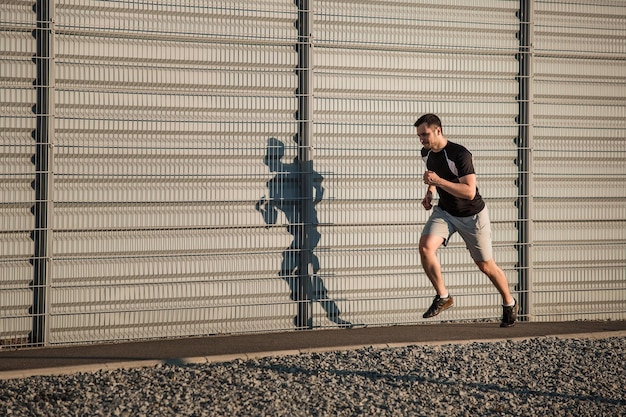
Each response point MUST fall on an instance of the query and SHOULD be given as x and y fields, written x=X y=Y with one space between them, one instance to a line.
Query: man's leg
x=428 y=246
x=428 y=253
x=476 y=232
x=510 y=307
x=434 y=234
x=498 y=278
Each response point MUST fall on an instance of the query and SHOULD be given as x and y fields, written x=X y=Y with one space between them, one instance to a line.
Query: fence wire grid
x=187 y=168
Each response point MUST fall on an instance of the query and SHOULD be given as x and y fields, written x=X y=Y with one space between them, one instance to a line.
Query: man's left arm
x=465 y=188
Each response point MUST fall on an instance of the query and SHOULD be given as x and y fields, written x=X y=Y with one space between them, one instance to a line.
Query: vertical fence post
x=305 y=159
x=43 y=134
x=525 y=158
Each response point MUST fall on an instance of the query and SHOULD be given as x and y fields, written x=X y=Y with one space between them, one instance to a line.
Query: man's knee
x=428 y=245
x=486 y=267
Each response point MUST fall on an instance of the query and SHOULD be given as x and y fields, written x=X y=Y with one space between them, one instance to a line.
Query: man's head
x=430 y=132
x=430 y=119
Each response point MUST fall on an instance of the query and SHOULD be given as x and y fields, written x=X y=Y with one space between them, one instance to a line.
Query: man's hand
x=464 y=188
x=427 y=202
x=430 y=178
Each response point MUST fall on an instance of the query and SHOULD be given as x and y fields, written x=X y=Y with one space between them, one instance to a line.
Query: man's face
x=428 y=136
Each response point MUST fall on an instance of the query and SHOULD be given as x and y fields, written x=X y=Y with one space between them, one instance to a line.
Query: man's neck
x=439 y=145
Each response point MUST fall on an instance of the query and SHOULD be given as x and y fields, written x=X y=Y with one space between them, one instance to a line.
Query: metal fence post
x=43 y=134
x=525 y=158
x=305 y=131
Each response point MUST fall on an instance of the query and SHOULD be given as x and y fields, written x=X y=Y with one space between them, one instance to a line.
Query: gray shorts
x=475 y=231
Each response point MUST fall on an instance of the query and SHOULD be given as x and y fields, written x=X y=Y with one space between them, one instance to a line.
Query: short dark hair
x=430 y=119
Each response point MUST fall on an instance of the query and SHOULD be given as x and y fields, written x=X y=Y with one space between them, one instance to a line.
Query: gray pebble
x=542 y=376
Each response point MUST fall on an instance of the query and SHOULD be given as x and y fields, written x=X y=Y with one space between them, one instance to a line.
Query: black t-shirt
x=451 y=163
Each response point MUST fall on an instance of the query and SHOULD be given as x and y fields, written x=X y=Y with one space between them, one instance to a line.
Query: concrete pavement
x=87 y=358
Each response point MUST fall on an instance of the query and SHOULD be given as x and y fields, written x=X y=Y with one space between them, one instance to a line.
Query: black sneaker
x=439 y=304
x=509 y=315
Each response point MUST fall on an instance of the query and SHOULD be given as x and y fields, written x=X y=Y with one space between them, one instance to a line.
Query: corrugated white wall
x=176 y=180
x=379 y=66
x=579 y=152
x=17 y=172
x=163 y=113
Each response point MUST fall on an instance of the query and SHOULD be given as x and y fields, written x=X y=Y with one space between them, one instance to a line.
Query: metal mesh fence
x=17 y=171
x=165 y=190
x=378 y=67
x=579 y=170
x=162 y=117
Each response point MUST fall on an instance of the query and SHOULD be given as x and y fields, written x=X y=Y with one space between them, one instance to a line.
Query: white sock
x=444 y=296
x=510 y=305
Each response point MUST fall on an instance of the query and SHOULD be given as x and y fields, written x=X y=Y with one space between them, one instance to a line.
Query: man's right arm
x=427 y=202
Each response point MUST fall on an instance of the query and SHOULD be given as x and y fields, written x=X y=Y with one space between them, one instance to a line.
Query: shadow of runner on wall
x=284 y=195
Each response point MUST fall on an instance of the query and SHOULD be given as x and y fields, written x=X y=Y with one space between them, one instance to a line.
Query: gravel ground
x=535 y=377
